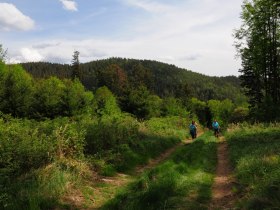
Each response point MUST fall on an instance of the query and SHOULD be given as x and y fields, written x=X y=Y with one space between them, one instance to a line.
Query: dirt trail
x=223 y=196
x=154 y=162
x=112 y=184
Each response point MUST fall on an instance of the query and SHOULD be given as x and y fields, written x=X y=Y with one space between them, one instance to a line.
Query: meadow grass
x=255 y=154
x=43 y=165
x=182 y=182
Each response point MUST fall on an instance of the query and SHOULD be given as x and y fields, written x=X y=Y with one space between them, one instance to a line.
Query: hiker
x=216 y=128
x=193 y=129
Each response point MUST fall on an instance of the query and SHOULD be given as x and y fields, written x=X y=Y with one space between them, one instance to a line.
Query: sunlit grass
x=182 y=182
x=255 y=153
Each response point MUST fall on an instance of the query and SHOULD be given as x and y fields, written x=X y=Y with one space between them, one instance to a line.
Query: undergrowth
x=255 y=154
x=45 y=164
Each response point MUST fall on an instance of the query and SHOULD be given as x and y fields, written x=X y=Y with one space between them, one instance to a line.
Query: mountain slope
x=162 y=79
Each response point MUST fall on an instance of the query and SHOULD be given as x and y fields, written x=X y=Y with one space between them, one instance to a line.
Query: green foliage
x=114 y=78
x=161 y=79
x=239 y=114
x=138 y=100
x=48 y=100
x=201 y=110
x=254 y=152
x=221 y=110
x=27 y=145
x=173 y=107
x=184 y=181
x=168 y=126
x=257 y=42
x=110 y=133
x=105 y=103
x=16 y=90
x=123 y=142
x=21 y=96
x=153 y=106
x=40 y=189
x=75 y=99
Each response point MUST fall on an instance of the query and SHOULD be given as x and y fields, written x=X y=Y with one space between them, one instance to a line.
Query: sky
x=193 y=34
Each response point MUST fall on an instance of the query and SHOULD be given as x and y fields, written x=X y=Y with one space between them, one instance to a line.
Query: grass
x=182 y=182
x=255 y=154
x=43 y=164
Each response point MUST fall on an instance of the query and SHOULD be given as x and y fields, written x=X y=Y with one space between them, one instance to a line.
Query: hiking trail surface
x=120 y=179
x=106 y=188
x=222 y=194
x=154 y=162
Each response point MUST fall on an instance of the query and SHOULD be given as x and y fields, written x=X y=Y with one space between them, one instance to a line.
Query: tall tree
x=76 y=70
x=258 y=43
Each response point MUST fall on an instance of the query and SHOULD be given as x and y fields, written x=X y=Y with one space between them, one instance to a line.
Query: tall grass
x=39 y=160
x=182 y=182
x=255 y=154
x=27 y=148
x=124 y=142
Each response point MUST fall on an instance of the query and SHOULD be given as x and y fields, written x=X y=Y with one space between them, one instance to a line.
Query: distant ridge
x=163 y=79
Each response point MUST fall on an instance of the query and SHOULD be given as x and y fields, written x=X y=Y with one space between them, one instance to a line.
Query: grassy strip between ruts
x=182 y=182
x=254 y=152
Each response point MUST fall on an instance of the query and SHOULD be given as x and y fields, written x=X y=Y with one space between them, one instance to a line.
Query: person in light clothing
x=216 y=128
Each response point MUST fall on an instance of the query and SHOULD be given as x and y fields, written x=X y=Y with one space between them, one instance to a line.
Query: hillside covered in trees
x=164 y=80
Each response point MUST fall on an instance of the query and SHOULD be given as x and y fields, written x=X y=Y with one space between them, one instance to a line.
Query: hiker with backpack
x=193 y=129
x=216 y=128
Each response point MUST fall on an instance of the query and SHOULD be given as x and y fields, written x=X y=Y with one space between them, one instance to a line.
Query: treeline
x=120 y=75
x=257 y=42
x=23 y=96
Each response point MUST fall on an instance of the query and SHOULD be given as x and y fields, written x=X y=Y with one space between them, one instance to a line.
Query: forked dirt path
x=105 y=188
x=222 y=194
x=123 y=179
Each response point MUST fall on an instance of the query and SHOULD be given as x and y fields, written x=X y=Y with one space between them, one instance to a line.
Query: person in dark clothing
x=193 y=129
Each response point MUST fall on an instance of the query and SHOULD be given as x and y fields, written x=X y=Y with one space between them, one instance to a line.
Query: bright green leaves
x=105 y=102
x=16 y=90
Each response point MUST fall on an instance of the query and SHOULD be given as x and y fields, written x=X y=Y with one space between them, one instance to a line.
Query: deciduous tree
x=258 y=44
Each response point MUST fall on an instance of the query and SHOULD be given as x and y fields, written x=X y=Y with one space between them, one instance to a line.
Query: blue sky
x=192 y=34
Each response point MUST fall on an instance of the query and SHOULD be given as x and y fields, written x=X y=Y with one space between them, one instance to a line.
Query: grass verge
x=255 y=154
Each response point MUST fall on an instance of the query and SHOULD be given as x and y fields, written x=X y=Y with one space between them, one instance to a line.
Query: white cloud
x=12 y=19
x=191 y=35
x=69 y=5
x=26 y=55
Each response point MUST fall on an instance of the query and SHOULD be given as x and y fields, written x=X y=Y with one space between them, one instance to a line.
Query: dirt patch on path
x=222 y=194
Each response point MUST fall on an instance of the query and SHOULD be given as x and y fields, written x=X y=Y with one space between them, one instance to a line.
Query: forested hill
x=164 y=80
